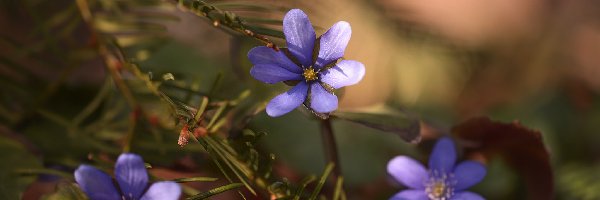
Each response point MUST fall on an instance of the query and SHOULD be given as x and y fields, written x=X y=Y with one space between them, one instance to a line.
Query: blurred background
x=532 y=61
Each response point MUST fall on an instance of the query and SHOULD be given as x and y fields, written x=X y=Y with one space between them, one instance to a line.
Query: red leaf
x=522 y=148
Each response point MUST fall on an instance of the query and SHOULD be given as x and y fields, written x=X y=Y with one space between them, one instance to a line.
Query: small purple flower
x=132 y=178
x=443 y=180
x=317 y=73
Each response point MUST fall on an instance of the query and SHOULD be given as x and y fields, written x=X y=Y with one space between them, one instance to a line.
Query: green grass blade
x=215 y=191
x=45 y=171
x=326 y=173
x=303 y=185
x=216 y=116
x=195 y=179
x=232 y=163
x=201 y=109
x=339 y=189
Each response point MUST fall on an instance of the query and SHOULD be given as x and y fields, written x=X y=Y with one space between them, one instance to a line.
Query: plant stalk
x=330 y=147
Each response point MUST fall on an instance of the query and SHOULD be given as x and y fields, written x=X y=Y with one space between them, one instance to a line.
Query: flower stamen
x=310 y=74
x=440 y=186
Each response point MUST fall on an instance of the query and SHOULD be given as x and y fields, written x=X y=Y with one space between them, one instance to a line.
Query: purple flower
x=443 y=180
x=316 y=75
x=132 y=178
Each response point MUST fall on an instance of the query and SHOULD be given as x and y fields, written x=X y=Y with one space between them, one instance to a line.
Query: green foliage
x=322 y=180
x=67 y=191
x=14 y=157
x=579 y=182
x=235 y=24
x=407 y=127
x=194 y=179
x=215 y=191
x=83 y=81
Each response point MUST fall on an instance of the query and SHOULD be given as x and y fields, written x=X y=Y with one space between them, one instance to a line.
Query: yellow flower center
x=309 y=74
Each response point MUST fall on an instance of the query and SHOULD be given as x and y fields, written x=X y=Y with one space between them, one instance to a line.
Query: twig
x=222 y=18
x=111 y=61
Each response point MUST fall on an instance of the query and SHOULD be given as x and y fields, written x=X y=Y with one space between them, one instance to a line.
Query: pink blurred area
x=468 y=55
x=474 y=22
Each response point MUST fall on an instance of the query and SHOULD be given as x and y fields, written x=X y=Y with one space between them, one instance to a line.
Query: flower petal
x=410 y=195
x=299 y=35
x=95 y=183
x=468 y=173
x=408 y=172
x=321 y=100
x=287 y=101
x=333 y=43
x=443 y=156
x=131 y=175
x=270 y=74
x=165 y=190
x=345 y=73
x=466 y=196
x=266 y=55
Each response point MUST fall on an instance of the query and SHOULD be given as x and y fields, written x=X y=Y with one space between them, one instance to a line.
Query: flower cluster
x=132 y=180
x=443 y=180
x=309 y=62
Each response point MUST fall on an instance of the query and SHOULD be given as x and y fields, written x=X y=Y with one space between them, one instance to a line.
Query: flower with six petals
x=310 y=62
x=443 y=180
x=132 y=180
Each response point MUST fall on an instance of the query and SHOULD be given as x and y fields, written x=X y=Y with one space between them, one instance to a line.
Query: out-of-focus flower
x=443 y=181
x=132 y=180
x=310 y=62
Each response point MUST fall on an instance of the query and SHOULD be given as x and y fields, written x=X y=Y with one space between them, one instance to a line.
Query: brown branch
x=330 y=147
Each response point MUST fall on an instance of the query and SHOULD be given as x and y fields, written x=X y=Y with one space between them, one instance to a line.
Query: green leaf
x=307 y=180
x=579 y=181
x=266 y=31
x=322 y=180
x=67 y=191
x=248 y=6
x=240 y=170
x=135 y=27
x=408 y=128
x=339 y=190
x=216 y=115
x=201 y=109
x=195 y=179
x=133 y=16
x=14 y=156
x=45 y=171
x=215 y=191
x=256 y=20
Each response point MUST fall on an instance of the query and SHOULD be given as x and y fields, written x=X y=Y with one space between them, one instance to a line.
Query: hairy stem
x=221 y=18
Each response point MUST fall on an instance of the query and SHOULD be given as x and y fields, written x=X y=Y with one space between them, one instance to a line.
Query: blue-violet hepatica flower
x=311 y=62
x=132 y=180
x=443 y=181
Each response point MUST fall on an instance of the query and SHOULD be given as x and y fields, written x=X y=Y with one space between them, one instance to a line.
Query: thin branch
x=111 y=61
x=220 y=18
